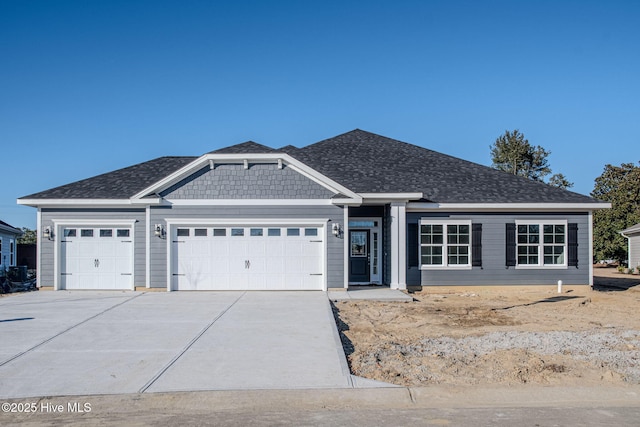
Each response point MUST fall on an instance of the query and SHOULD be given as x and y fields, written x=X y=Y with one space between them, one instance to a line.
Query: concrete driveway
x=91 y=342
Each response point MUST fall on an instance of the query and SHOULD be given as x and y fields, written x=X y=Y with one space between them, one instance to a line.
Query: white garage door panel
x=247 y=258
x=96 y=258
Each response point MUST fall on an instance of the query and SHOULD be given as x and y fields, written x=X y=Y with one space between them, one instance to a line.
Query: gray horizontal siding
x=493 y=270
x=260 y=181
x=634 y=251
x=5 y=257
x=159 y=215
x=46 y=248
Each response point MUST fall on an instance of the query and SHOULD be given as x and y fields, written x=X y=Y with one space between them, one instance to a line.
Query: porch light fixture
x=158 y=231
x=47 y=233
x=336 y=229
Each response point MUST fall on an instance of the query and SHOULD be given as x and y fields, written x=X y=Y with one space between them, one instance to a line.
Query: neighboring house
x=633 y=236
x=8 y=245
x=355 y=209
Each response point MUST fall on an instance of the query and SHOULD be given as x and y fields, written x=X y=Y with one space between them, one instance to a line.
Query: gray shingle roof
x=9 y=228
x=248 y=147
x=119 y=184
x=361 y=161
x=368 y=163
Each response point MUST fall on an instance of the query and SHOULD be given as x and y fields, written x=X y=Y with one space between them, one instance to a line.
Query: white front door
x=281 y=257
x=96 y=258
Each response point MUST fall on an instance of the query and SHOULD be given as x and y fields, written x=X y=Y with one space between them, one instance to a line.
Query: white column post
x=38 y=247
x=147 y=254
x=398 y=246
x=402 y=246
x=590 y=260
x=345 y=244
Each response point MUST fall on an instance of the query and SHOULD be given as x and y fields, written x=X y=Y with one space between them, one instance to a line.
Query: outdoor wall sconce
x=158 y=231
x=336 y=229
x=47 y=233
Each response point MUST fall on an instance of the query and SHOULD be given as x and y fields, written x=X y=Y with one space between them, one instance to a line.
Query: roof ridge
x=243 y=147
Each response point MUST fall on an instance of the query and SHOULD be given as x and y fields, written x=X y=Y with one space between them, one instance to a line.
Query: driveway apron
x=87 y=342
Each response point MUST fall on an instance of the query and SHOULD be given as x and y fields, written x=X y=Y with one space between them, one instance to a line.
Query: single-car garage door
x=96 y=258
x=247 y=258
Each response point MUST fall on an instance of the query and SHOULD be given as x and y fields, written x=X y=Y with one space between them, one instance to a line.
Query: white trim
x=506 y=207
x=11 y=230
x=541 y=223
x=389 y=197
x=97 y=222
x=402 y=247
x=244 y=221
x=169 y=246
x=631 y=230
x=147 y=201
x=267 y=158
x=325 y=255
x=345 y=245
x=147 y=254
x=39 y=247
x=12 y=252
x=347 y=202
x=248 y=202
x=58 y=223
x=445 y=265
x=590 y=220
x=395 y=248
x=90 y=203
x=283 y=222
x=372 y=229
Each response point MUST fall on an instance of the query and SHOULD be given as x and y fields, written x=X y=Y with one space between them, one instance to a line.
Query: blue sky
x=91 y=86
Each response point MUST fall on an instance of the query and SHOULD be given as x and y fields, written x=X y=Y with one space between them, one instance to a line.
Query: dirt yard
x=491 y=336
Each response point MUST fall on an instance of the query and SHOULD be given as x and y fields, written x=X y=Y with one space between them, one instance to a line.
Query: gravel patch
x=616 y=350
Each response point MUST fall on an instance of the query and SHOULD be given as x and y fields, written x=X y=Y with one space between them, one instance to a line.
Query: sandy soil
x=490 y=336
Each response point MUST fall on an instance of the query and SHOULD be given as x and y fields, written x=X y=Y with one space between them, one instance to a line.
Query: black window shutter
x=511 y=245
x=572 y=240
x=413 y=246
x=476 y=248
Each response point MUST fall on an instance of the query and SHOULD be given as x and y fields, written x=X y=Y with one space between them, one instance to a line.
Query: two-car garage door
x=280 y=256
x=274 y=257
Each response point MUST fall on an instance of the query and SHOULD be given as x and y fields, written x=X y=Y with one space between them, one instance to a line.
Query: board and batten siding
x=335 y=252
x=494 y=270
x=100 y=216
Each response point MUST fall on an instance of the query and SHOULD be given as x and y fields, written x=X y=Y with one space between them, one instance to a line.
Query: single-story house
x=355 y=209
x=8 y=245
x=633 y=237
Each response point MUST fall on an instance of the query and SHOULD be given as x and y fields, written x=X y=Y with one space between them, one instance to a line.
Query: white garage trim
x=174 y=223
x=248 y=202
x=59 y=224
x=252 y=221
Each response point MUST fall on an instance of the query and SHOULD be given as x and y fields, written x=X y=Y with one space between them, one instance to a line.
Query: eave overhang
x=508 y=207
x=11 y=230
x=627 y=233
x=90 y=203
